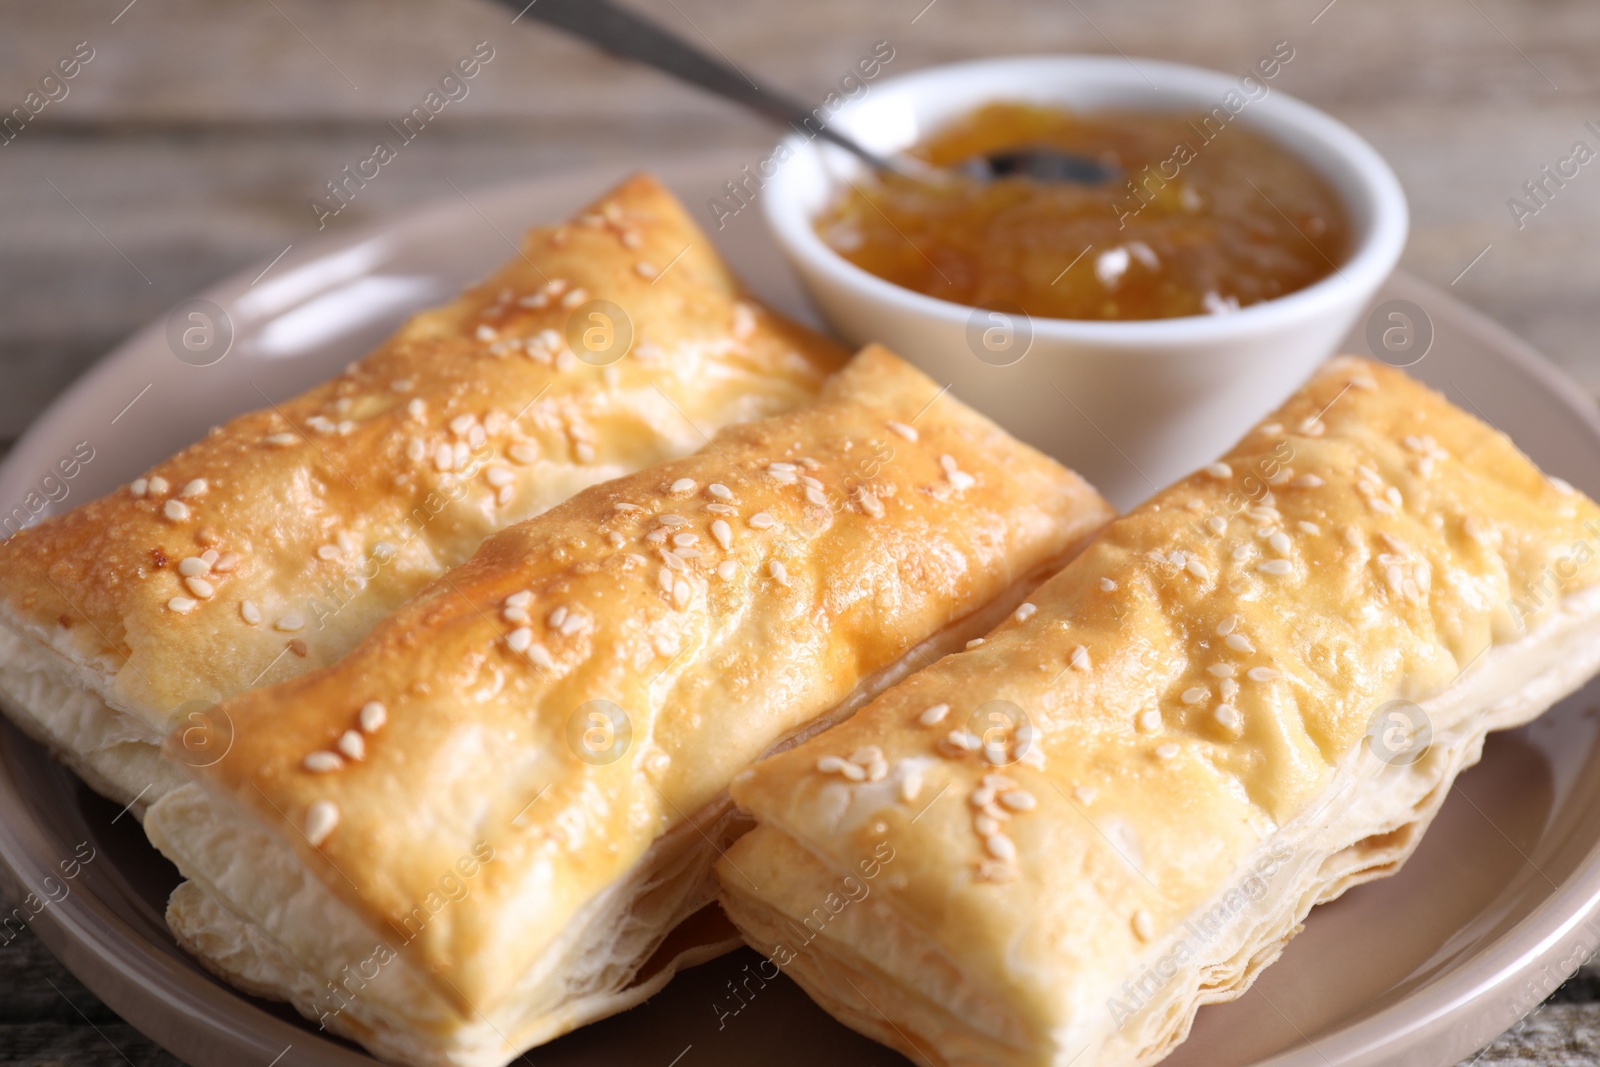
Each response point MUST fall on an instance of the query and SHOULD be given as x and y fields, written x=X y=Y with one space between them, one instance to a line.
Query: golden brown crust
x=391 y=473
x=808 y=552
x=1196 y=682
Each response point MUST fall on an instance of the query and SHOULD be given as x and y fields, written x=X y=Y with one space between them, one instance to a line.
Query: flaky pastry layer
x=587 y=686
x=1247 y=695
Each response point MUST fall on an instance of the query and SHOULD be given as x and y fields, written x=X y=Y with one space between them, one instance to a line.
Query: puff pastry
x=1245 y=697
x=276 y=543
x=563 y=714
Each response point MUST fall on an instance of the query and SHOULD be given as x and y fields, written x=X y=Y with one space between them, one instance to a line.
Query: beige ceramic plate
x=1496 y=908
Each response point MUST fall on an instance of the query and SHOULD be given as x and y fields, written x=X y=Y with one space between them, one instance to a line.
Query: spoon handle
x=618 y=30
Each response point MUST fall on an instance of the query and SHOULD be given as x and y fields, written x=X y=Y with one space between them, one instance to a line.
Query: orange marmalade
x=1204 y=217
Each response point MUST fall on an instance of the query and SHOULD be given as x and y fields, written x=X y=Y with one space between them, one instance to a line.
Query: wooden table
x=189 y=145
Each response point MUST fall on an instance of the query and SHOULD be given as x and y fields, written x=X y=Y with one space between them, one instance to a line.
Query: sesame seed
x=139 y=486
x=1275 y=566
x=1261 y=674
x=1562 y=485
x=683 y=485
x=1308 y=528
x=934 y=715
x=281 y=439
x=1217 y=524
x=816 y=496
x=540 y=656
x=1149 y=720
x=249 y=612
x=584 y=451
x=1307 y=481
x=523 y=453
x=322 y=762
x=986 y=825
x=644 y=269
x=1018 y=800
x=1197 y=569
x=866 y=754
x=902 y=429
x=782 y=477
x=974 y=643
x=779 y=572
x=1271 y=429
x=762 y=521
x=1228 y=717
x=744 y=321
x=327 y=552
x=182 y=604
x=197 y=487
x=290 y=623
x=1107 y=585
x=962 y=741
x=353 y=745
x=869 y=502
x=158 y=484
x=192 y=567
x=1025 y=611
x=1279 y=542
x=1241 y=553
x=373 y=715
x=1167 y=750
x=321 y=819
x=670 y=519
x=1195 y=694
x=1240 y=643
x=1085 y=794
x=723 y=533
x=1226 y=626
x=1080 y=658
x=779 y=465
x=727 y=569
x=176 y=510
x=1223 y=670
x=519 y=639
x=499 y=477
x=960 y=480
x=720 y=491
x=1228 y=689
x=1001 y=847
x=1220 y=470
x=1143 y=925
x=911 y=786
x=200 y=588
x=486 y=332
x=515 y=615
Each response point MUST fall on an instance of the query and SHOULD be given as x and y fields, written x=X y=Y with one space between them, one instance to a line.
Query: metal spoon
x=625 y=33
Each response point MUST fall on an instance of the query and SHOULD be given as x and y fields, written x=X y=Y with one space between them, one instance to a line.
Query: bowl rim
x=1373 y=258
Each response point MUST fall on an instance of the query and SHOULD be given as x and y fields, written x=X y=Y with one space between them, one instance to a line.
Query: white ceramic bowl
x=1131 y=405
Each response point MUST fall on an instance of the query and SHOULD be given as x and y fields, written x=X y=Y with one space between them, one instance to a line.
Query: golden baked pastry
x=1246 y=696
x=276 y=543
x=550 y=729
